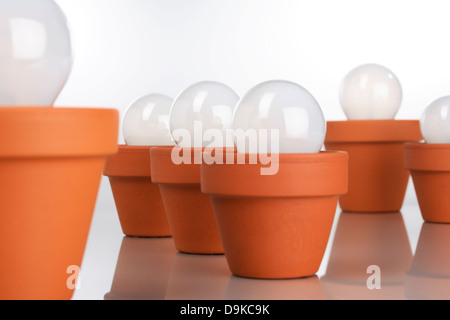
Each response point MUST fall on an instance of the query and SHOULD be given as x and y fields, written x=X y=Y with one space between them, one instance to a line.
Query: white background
x=124 y=49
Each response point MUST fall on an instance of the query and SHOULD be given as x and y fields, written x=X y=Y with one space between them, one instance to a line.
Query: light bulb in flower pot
x=138 y=200
x=276 y=224
x=200 y=117
x=428 y=162
x=50 y=168
x=370 y=96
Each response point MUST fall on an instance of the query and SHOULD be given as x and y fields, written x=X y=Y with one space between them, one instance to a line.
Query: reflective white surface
x=284 y=107
x=36 y=53
x=370 y=91
x=435 y=121
x=146 y=121
x=412 y=256
x=201 y=115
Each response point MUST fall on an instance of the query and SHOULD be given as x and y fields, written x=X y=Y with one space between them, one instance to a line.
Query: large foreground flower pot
x=189 y=211
x=429 y=165
x=138 y=200
x=377 y=176
x=276 y=226
x=51 y=162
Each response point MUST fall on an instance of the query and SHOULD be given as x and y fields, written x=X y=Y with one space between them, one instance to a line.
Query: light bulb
x=370 y=91
x=146 y=121
x=284 y=108
x=435 y=121
x=202 y=115
x=35 y=54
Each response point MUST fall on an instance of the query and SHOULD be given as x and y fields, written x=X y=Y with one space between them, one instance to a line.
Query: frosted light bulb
x=284 y=107
x=202 y=115
x=370 y=91
x=435 y=121
x=146 y=121
x=35 y=54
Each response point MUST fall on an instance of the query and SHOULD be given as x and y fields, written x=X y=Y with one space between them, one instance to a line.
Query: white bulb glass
x=284 y=107
x=369 y=92
x=202 y=115
x=35 y=54
x=146 y=121
x=435 y=121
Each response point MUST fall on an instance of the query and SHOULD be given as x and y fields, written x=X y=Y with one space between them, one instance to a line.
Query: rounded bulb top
x=435 y=121
x=36 y=53
x=202 y=115
x=146 y=121
x=283 y=116
x=370 y=91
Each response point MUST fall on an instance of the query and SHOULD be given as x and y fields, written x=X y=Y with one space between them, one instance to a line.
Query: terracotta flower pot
x=51 y=165
x=276 y=226
x=138 y=200
x=429 y=165
x=143 y=269
x=429 y=276
x=377 y=176
x=189 y=211
x=363 y=240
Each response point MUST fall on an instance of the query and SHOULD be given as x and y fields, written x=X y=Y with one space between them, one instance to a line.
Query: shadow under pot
x=51 y=162
x=377 y=175
x=138 y=200
x=276 y=226
x=429 y=165
x=189 y=211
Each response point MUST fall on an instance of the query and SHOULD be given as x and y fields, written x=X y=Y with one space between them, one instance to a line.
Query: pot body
x=189 y=211
x=51 y=171
x=429 y=165
x=377 y=176
x=276 y=226
x=138 y=200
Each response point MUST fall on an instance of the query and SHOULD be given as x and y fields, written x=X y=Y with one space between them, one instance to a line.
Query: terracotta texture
x=377 y=176
x=276 y=226
x=138 y=200
x=51 y=163
x=429 y=165
x=189 y=211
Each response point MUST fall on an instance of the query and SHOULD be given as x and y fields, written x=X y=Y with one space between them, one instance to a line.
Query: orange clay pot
x=377 y=176
x=51 y=165
x=138 y=200
x=276 y=226
x=429 y=276
x=189 y=211
x=143 y=269
x=362 y=240
x=429 y=165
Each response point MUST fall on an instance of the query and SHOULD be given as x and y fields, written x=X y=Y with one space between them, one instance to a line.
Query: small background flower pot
x=143 y=269
x=362 y=240
x=276 y=226
x=377 y=176
x=189 y=211
x=429 y=276
x=51 y=165
x=138 y=200
x=429 y=165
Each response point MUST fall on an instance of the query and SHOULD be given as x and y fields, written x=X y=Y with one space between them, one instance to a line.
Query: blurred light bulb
x=202 y=115
x=35 y=54
x=284 y=107
x=435 y=121
x=370 y=91
x=146 y=121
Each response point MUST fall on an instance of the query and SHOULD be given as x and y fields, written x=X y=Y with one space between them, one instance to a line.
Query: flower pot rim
x=57 y=132
x=389 y=130
x=421 y=156
x=304 y=175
